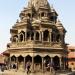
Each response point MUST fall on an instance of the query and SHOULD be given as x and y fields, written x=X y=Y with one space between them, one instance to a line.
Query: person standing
x=28 y=67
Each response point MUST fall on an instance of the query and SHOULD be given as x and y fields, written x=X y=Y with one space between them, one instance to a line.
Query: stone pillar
x=51 y=60
x=50 y=37
x=61 y=36
x=42 y=64
x=42 y=36
x=32 y=64
x=60 y=62
x=52 y=63
x=18 y=38
x=54 y=37
x=24 y=64
x=34 y=36
x=25 y=35
x=64 y=63
x=17 y=62
x=9 y=63
x=30 y=36
x=46 y=14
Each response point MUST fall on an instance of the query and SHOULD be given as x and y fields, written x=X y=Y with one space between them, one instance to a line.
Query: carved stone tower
x=37 y=37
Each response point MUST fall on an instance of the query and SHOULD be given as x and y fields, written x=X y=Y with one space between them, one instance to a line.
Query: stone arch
x=13 y=58
x=29 y=15
x=28 y=34
x=53 y=37
x=28 y=58
x=20 y=58
x=37 y=35
x=42 y=14
x=45 y=35
x=13 y=62
x=37 y=63
x=58 y=37
x=56 y=63
x=47 y=60
x=15 y=38
x=20 y=62
x=36 y=58
x=32 y=35
x=22 y=36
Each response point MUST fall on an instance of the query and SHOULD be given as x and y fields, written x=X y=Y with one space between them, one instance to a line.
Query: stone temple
x=39 y=37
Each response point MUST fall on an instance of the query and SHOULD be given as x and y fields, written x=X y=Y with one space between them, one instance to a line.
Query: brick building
x=71 y=57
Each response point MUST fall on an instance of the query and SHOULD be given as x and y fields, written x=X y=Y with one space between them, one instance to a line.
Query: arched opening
x=29 y=15
x=28 y=34
x=58 y=38
x=53 y=37
x=13 y=62
x=42 y=14
x=52 y=18
x=37 y=63
x=32 y=36
x=28 y=58
x=46 y=35
x=36 y=58
x=22 y=35
x=37 y=36
x=47 y=60
x=20 y=62
x=13 y=59
x=56 y=63
x=15 y=38
x=20 y=58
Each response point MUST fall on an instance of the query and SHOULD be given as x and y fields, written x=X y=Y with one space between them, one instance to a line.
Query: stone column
x=62 y=38
x=32 y=64
x=50 y=37
x=34 y=36
x=30 y=36
x=42 y=36
x=64 y=63
x=60 y=62
x=51 y=60
x=18 y=38
x=42 y=64
x=25 y=35
x=52 y=63
x=24 y=64
x=17 y=62
x=54 y=37
x=9 y=63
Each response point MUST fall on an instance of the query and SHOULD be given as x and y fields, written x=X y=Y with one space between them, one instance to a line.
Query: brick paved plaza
x=12 y=72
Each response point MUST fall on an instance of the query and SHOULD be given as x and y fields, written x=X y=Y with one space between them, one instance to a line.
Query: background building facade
x=71 y=57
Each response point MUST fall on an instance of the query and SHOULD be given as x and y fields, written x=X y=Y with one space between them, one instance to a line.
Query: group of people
x=48 y=66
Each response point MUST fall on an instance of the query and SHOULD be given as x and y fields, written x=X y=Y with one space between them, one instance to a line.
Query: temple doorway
x=37 y=63
x=56 y=63
x=20 y=62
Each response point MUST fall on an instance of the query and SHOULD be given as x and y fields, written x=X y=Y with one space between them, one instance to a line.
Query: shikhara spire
x=38 y=3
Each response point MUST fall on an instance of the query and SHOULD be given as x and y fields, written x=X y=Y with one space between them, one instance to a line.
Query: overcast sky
x=9 y=13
